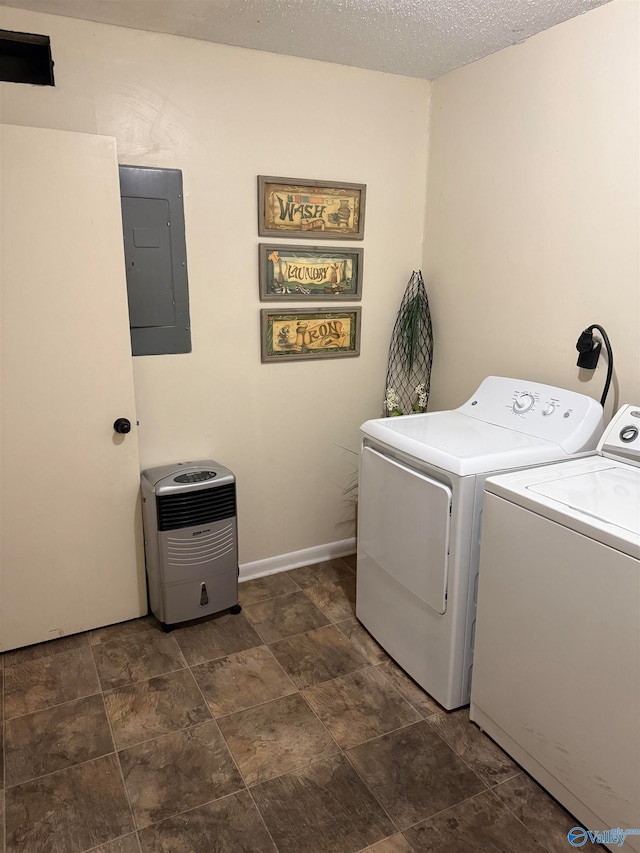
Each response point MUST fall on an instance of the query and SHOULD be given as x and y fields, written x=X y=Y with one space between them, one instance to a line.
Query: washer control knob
x=523 y=403
x=628 y=433
x=548 y=408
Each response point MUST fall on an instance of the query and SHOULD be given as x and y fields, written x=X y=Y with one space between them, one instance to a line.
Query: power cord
x=590 y=352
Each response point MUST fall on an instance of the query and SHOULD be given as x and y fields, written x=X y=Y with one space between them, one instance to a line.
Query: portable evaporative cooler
x=191 y=540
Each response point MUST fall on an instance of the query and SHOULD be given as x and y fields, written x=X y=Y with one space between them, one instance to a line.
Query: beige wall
x=531 y=231
x=224 y=115
x=532 y=214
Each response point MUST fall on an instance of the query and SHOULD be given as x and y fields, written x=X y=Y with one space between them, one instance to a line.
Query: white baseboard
x=295 y=559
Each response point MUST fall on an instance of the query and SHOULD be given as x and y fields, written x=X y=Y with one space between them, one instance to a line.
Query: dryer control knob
x=523 y=403
x=548 y=409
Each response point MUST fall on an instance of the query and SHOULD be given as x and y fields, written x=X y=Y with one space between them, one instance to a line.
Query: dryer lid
x=460 y=444
x=507 y=423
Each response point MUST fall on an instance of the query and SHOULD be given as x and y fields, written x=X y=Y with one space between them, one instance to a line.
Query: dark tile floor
x=285 y=728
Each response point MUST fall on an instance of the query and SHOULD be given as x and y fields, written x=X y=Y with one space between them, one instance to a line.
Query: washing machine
x=419 y=516
x=557 y=660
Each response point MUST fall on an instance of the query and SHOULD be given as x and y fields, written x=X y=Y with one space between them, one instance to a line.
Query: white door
x=71 y=545
x=403 y=525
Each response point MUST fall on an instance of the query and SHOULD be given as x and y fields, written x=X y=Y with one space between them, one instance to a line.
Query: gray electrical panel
x=156 y=260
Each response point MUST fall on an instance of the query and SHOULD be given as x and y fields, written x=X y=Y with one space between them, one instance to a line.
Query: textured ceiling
x=418 y=38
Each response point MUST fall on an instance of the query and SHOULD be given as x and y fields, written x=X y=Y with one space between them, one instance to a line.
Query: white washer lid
x=611 y=495
x=461 y=444
x=597 y=497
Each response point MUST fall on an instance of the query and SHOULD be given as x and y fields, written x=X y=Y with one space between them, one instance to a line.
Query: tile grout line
x=163 y=734
x=201 y=806
x=303 y=590
x=448 y=808
x=320 y=628
x=444 y=712
x=488 y=786
x=221 y=733
x=116 y=751
x=215 y=719
x=382 y=840
x=151 y=625
x=386 y=677
x=317 y=760
x=377 y=737
x=296 y=689
x=302 y=766
x=56 y=704
x=189 y=810
x=341 y=751
x=319 y=606
x=295 y=770
x=131 y=635
x=290 y=636
x=51 y=707
x=457 y=754
x=408 y=725
x=251 y=788
x=136 y=636
x=355 y=672
x=101 y=690
x=334 y=678
x=61 y=770
x=280 y=639
x=237 y=766
x=261 y=816
x=272 y=575
x=491 y=792
x=257 y=705
x=143 y=680
x=113 y=739
x=363 y=780
x=333 y=740
x=113 y=840
x=268 y=598
x=373 y=794
x=44 y=657
x=520 y=821
x=300 y=588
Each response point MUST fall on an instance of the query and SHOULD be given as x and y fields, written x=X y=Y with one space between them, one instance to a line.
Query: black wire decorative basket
x=410 y=353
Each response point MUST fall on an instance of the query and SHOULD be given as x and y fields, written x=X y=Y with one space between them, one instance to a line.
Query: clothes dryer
x=557 y=661
x=419 y=513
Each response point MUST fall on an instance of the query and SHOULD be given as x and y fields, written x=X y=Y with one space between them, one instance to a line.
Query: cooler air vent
x=195 y=508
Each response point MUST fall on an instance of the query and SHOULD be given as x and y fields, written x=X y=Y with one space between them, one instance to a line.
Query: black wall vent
x=25 y=58
x=196 y=507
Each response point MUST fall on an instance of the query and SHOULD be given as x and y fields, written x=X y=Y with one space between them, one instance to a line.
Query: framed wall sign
x=297 y=207
x=309 y=273
x=300 y=334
